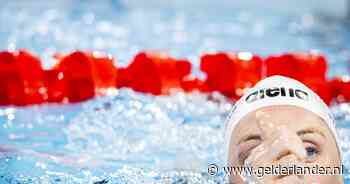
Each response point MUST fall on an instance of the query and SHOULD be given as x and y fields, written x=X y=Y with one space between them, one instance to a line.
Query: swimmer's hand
x=277 y=151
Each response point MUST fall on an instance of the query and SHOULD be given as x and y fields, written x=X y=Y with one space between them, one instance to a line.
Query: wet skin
x=282 y=135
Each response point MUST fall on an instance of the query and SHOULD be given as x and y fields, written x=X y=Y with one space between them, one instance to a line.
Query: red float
x=82 y=73
x=21 y=79
x=231 y=73
x=341 y=89
x=156 y=73
x=11 y=84
x=77 y=73
x=300 y=66
x=33 y=76
x=322 y=88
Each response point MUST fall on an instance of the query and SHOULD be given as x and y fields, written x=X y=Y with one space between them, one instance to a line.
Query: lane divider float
x=81 y=75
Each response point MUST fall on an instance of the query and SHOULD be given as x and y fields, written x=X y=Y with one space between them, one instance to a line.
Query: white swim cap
x=278 y=90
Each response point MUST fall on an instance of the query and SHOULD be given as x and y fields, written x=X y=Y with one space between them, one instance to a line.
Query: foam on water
x=132 y=137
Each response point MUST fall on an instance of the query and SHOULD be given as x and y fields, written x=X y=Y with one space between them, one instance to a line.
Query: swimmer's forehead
x=291 y=116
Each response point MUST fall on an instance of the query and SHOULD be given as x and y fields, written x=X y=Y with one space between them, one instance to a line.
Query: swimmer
x=282 y=123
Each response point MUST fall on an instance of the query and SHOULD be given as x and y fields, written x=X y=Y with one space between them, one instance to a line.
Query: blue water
x=136 y=138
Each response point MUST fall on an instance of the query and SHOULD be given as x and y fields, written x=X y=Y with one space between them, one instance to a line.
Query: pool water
x=137 y=138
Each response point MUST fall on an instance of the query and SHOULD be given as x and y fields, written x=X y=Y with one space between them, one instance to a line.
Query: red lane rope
x=81 y=75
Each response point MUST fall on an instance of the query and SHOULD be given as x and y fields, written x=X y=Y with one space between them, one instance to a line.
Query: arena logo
x=275 y=92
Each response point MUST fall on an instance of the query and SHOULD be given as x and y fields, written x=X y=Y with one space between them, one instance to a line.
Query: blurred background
x=186 y=29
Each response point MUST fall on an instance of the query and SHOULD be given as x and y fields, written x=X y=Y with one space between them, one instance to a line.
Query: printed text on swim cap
x=276 y=92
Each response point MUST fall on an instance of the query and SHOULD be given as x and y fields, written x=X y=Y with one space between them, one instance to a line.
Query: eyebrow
x=249 y=137
x=310 y=131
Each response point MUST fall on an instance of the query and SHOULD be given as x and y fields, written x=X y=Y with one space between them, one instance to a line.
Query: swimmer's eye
x=312 y=151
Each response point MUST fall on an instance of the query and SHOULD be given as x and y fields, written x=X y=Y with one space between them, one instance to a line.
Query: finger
x=275 y=152
x=287 y=143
